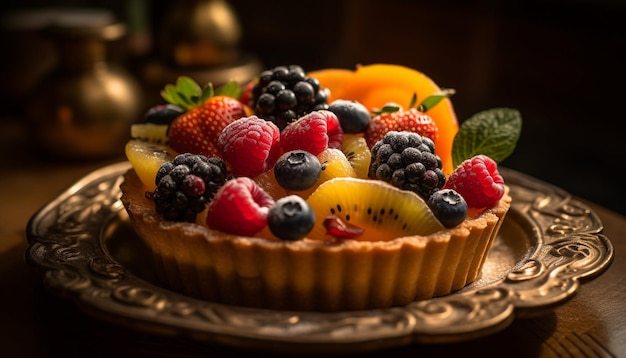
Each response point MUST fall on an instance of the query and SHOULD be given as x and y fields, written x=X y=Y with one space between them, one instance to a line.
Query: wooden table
x=35 y=323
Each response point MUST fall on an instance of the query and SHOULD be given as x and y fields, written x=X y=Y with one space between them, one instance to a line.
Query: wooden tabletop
x=35 y=323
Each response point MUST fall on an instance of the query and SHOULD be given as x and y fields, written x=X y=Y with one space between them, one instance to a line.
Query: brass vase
x=84 y=108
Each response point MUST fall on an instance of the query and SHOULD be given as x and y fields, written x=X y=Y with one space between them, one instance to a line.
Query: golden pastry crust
x=311 y=275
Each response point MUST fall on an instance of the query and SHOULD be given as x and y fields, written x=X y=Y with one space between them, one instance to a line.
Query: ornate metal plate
x=88 y=253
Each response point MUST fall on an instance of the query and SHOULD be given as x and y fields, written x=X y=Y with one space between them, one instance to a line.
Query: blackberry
x=407 y=161
x=186 y=185
x=285 y=93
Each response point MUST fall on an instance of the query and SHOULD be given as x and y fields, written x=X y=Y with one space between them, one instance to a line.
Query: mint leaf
x=493 y=132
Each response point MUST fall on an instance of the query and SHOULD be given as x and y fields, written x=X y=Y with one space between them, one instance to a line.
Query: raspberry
x=477 y=179
x=240 y=207
x=313 y=132
x=285 y=93
x=186 y=184
x=407 y=161
x=250 y=145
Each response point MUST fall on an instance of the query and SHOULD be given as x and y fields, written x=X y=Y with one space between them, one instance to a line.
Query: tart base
x=310 y=275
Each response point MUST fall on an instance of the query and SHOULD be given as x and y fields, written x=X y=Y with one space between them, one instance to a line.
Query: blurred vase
x=198 y=33
x=84 y=108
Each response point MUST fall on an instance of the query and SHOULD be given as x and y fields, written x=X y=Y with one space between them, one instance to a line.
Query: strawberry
x=207 y=112
x=393 y=117
x=400 y=120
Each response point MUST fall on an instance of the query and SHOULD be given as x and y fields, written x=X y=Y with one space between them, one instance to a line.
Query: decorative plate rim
x=65 y=242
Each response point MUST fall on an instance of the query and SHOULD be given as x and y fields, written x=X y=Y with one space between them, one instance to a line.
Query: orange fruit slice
x=375 y=85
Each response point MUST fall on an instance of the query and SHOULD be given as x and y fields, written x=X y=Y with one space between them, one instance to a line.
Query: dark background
x=561 y=63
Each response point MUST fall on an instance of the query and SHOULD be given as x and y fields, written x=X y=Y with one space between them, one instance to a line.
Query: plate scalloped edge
x=64 y=239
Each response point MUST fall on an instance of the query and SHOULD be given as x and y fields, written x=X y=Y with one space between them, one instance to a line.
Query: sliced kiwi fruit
x=381 y=210
x=149 y=132
x=358 y=153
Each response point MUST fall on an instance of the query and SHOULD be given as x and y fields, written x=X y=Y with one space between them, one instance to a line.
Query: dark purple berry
x=297 y=170
x=448 y=206
x=290 y=218
x=285 y=93
x=407 y=161
x=163 y=114
x=353 y=116
x=186 y=184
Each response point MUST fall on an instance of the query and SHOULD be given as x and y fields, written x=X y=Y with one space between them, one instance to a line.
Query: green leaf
x=207 y=92
x=493 y=132
x=433 y=99
x=413 y=100
x=230 y=89
x=188 y=88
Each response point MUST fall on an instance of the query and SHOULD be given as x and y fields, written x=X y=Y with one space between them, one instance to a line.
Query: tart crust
x=310 y=275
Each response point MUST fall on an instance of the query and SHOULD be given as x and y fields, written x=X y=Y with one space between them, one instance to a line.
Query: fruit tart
x=318 y=191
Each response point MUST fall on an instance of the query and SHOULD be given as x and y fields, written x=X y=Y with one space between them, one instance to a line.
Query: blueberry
x=353 y=116
x=297 y=170
x=163 y=114
x=290 y=218
x=448 y=206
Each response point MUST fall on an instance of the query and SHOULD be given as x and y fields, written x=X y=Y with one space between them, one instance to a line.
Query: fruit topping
x=448 y=206
x=207 y=113
x=377 y=84
x=393 y=118
x=297 y=170
x=381 y=210
x=358 y=154
x=290 y=218
x=477 y=179
x=284 y=93
x=146 y=158
x=240 y=207
x=186 y=184
x=313 y=132
x=250 y=145
x=162 y=114
x=353 y=116
x=407 y=161
x=149 y=132
x=340 y=229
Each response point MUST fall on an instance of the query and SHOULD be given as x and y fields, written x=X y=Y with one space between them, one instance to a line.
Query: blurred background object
x=83 y=108
x=561 y=63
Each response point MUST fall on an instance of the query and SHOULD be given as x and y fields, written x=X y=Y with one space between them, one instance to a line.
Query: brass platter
x=88 y=253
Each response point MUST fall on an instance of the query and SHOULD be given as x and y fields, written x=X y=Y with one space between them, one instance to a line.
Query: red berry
x=410 y=120
x=477 y=179
x=250 y=145
x=196 y=130
x=313 y=132
x=240 y=207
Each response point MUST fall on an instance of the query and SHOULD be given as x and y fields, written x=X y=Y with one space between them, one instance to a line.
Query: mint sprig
x=493 y=132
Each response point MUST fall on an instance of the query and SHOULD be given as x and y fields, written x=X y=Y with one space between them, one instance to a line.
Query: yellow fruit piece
x=383 y=211
x=358 y=153
x=377 y=84
x=146 y=159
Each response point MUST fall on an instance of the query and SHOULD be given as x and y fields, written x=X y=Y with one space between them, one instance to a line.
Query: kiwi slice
x=358 y=153
x=149 y=132
x=381 y=210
